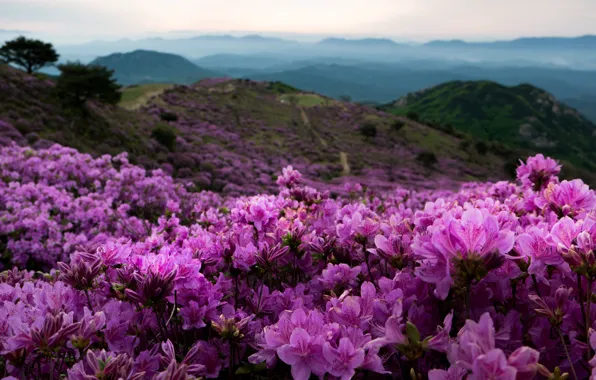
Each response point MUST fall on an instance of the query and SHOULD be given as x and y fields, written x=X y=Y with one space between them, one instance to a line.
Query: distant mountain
x=192 y=47
x=585 y=104
x=364 y=42
x=246 y=61
x=581 y=42
x=382 y=82
x=521 y=116
x=143 y=66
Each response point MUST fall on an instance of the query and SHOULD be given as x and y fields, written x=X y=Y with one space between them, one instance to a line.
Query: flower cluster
x=123 y=274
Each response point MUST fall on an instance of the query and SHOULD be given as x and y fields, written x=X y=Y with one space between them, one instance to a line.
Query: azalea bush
x=114 y=272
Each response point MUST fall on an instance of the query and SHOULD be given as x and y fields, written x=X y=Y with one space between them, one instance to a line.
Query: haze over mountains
x=517 y=94
x=376 y=70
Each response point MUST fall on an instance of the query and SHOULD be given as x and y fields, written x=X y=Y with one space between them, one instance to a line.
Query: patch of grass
x=137 y=96
x=304 y=100
x=282 y=88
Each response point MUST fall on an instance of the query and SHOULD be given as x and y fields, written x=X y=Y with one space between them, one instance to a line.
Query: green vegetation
x=136 y=96
x=304 y=100
x=368 y=130
x=165 y=135
x=168 y=116
x=282 y=88
x=36 y=110
x=78 y=83
x=428 y=159
x=143 y=66
x=519 y=118
x=29 y=54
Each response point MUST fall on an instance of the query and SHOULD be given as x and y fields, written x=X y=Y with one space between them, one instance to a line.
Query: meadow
x=112 y=271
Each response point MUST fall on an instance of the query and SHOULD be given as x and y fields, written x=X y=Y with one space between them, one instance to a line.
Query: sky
x=414 y=20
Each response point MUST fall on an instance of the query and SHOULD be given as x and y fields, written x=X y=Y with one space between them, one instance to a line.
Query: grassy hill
x=235 y=135
x=519 y=117
x=144 y=66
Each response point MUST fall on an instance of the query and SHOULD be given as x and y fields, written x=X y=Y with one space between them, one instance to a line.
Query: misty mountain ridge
x=144 y=66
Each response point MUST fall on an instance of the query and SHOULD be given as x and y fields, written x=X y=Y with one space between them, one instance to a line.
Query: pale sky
x=79 y=20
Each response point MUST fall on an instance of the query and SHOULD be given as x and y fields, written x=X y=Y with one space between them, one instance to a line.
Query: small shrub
x=168 y=116
x=397 y=125
x=368 y=130
x=464 y=144
x=165 y=135
x=481 y=147
x=428 y=159
x=412 y=115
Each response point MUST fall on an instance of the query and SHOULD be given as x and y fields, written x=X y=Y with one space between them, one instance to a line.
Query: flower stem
x=589 y=295
x=566 y=352
x=536 y=285
x=370 y=276
x=89 y=301
x=232 y=360
x=467 y=300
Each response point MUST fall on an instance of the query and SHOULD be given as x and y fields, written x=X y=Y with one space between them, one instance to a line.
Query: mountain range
x=333 y=76
x=576 y=52
x=143 y=66
x=233 y=135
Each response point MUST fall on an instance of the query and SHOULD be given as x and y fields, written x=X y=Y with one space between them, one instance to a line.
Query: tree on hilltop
x=79 y=82
x=29 y=54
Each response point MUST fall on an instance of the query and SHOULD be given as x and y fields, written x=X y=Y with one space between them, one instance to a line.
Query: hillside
x=521 y=116
x=144 y=66
x=235 y=135
x=585 y=104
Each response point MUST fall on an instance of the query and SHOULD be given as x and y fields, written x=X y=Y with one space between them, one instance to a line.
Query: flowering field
x=113 y=272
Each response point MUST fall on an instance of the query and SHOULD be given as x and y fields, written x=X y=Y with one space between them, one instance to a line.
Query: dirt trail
x=306 y=122
x=343 y=158
x=144 y=99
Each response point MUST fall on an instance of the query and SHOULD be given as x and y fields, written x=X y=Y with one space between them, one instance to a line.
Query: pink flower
x=568 y=198
x=525 y=360
x=441 y=341
x=344 y=359
x=538 y=172
x=493 y=366
x=534 y=244
x=473 y=340
x=304 y=353
x=453 y=373
x=393 y=335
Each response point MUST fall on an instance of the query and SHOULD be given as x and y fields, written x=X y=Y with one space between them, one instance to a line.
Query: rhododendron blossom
x=112 y=271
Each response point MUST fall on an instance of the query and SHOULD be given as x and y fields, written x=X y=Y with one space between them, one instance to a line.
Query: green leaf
x=412 y=333
x=249 y=368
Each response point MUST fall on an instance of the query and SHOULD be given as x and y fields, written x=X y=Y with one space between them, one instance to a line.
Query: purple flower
x=569 y=198
x=344 y=359
x=304 y=353
x=534 y=245
x=493 y=365
x=538 y=172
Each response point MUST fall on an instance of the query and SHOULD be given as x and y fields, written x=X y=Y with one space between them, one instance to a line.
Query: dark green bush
x=397 y=125
x=168 y=116
x=368 y=130
x=412 y=115
x=427 y=159
x=165 y=135
x=481 y=147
